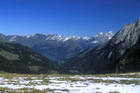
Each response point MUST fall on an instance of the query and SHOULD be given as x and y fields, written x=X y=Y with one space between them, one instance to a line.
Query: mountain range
x=120 y=53
x=52 y=45
x=112 y=56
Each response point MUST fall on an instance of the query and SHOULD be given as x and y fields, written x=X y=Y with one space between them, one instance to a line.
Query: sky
x=66 y=17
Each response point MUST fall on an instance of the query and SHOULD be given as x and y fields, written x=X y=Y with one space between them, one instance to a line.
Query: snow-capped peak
x=101 y=33
x=28 y=36
x=102 y=37
x=110 y=34
x=54 y=37
x=74 y=38
x=86 y=38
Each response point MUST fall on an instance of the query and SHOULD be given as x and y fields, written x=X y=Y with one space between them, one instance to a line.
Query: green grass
x=34 y=68
x=9 y=55
x=35 y=58
x=3 y=72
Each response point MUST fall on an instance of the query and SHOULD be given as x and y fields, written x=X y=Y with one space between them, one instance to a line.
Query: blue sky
x=66 y=17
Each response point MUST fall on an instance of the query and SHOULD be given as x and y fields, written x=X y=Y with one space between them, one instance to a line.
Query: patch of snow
x=65 y=39
x=95 y=41
x=54 y=37
x=13 y=39
x=86 y=38
x=101 y=33
x=74 y=38
x=28 y=36
x=85 y=84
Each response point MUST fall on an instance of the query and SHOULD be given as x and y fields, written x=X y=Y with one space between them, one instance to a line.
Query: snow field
x=123 y=83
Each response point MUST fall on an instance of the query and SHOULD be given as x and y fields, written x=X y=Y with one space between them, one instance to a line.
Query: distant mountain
x=96 y=40
x=55 y=46
x=15 y=58
x=58 y=50
x=98 y=59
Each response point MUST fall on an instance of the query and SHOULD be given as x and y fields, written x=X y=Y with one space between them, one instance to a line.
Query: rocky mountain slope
x=15 y=58
x=128 y=62
x=93 y=60
x=52 y=45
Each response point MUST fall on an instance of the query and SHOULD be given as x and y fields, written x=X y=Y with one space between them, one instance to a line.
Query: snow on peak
x=57 y=37
x=86 y=38
x=28 y=36
x=54 y=37
x=13 y=39
x=74 y=38
x=65 y=39
x=110 y=33
x=101 y=33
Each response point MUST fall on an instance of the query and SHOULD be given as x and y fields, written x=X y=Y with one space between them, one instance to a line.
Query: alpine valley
x=103 y=53
x=55 y=46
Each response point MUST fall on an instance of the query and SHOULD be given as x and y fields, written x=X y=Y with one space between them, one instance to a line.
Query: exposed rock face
x=94 y=59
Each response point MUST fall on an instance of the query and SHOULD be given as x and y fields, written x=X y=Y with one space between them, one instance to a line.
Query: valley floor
x=105 y=83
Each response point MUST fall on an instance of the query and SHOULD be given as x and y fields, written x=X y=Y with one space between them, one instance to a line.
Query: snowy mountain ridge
x=56 y=37
x=110 y=34
x=52 y=45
